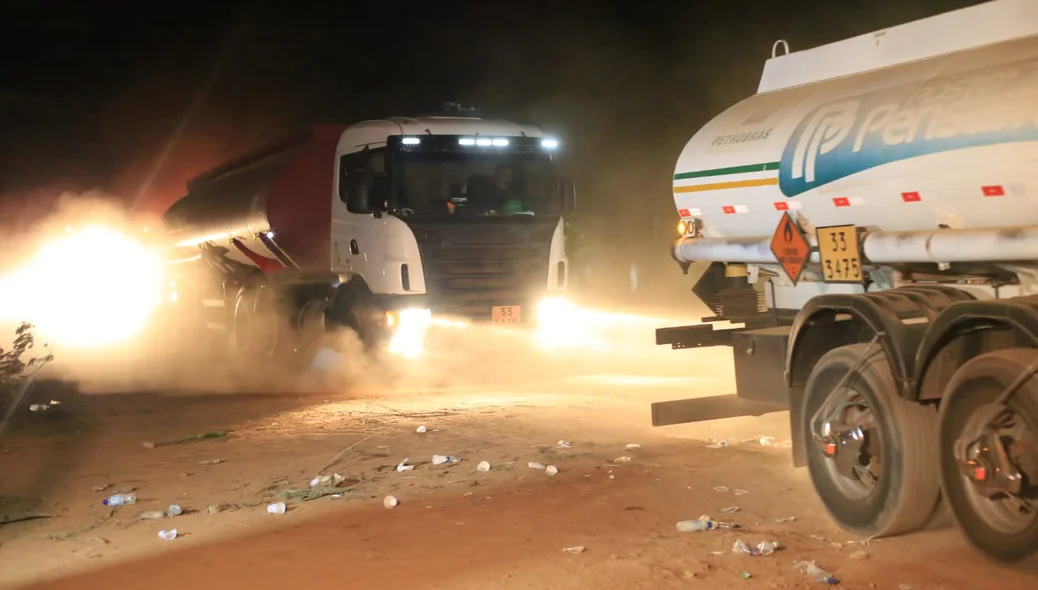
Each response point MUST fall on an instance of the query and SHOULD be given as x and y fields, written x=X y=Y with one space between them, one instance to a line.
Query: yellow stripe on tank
x=696 y=188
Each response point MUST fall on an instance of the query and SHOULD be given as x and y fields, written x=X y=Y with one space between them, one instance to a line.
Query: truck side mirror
x=357 y=195
x=569 y=195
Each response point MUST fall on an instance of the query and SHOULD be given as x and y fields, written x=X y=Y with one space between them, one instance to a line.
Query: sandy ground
x=454 y=527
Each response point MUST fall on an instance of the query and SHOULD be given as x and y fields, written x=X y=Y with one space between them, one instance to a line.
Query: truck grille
x=469 y=281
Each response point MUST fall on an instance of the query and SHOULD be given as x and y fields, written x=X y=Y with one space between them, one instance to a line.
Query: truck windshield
x=475 y=184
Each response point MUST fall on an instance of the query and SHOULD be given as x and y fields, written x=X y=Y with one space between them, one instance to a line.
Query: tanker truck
x=868 y=223
x=377 y=227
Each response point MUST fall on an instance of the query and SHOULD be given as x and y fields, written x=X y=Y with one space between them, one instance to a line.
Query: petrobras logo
x=982 y=107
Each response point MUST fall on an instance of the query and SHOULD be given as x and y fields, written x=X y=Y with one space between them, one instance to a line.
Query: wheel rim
x=857 y=468
x=1007 y=515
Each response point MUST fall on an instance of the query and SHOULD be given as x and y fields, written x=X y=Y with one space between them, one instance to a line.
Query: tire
x=967 y=400
x=907 y=492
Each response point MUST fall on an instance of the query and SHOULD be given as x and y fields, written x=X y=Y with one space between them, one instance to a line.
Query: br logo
x=823 y=132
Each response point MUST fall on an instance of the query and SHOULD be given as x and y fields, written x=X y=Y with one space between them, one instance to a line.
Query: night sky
x=92 y=91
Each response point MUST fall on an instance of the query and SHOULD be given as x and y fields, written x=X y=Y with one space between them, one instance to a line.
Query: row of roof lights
x=547 y=143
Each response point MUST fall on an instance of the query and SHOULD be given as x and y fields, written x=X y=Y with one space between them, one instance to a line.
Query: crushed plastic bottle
x=421 y=429
x=703 y=524
x=484 y=466
x=153 y=515
x=551 y=470
x=168 y=535
x=276 y=508
x=564 y=444
x=819 y=574
x=444 y=459
x=762 y=549
x=390 y=502
x=120 y=500
x=403 y=466
x=174 y=510
x=535 y=465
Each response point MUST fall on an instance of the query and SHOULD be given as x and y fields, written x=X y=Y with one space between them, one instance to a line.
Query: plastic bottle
x=120 y=500
x=695 y=526
x=441 y=459
x=819 y=574
x=703 y=524
x=276 y=508
x=174 y=510
x=764 y=548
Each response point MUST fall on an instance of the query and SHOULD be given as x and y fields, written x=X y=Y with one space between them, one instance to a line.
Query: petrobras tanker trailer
x=376 y=227
x=870 y=221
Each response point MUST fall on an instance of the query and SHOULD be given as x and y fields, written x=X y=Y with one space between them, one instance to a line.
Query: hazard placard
x=790 y=248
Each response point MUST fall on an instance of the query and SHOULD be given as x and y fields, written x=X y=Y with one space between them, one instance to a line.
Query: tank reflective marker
x=911 y=197
x=696 y=188
x=993 y=191
x=787 y=205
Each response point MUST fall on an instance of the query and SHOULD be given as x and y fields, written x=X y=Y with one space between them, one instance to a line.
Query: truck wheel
x=998 y=521
x=872 y=455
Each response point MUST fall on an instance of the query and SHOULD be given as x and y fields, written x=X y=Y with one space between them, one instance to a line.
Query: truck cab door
x=358 y=225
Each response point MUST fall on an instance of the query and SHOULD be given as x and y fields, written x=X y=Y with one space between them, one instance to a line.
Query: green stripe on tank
x=730 y=170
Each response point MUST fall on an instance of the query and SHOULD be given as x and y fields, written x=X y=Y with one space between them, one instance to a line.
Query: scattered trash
x=148 y=444
x=783 y=520
x=632 y=446
x=718 y=553
x=624 y=459
x=836 y=545
x=101 y=487
x=564 y=444
x=818 y=537
x=168 y=535
x=390 y=502
x=204 y=436
x=212 y=461
x=174 y=510
x=740 y=492
x=213 y=509
x=403 y=466
x=763 y=548
x=39 y=407
x=745 y=575
x=120 y=500
x=327 y=480
x=819 y=574
x=484 y=466
x=906 y=587
x=336 y=496
x=722 y=489
x=442 y=459
x=767 y=441
x=276 y=508
x=551 y=470
x=421 y=429
x=719 y=444
x=703 y=523
x=730 y=510
x=859 y=554
x=153 y=515
x=535 y=465
x=575 y=550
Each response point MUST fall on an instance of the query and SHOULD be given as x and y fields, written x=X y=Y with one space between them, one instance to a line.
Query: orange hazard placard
x=790 y=248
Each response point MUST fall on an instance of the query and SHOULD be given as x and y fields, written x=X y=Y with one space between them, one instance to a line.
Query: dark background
x=92 y=92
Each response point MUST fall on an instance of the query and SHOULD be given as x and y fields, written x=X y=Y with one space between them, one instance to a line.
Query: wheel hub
x=842 y=444
x=987 y=463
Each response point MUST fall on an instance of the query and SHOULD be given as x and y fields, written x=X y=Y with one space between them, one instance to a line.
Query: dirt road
x=454 y=527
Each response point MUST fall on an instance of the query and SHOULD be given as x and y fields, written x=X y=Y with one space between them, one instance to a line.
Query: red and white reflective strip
x=994 y=190
x=787 y=205
x=688 y=213
x=848 y=201
x=911 y=197
x=733 y=209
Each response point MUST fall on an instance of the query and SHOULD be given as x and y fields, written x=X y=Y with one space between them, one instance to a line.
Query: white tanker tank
x=870 y=220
